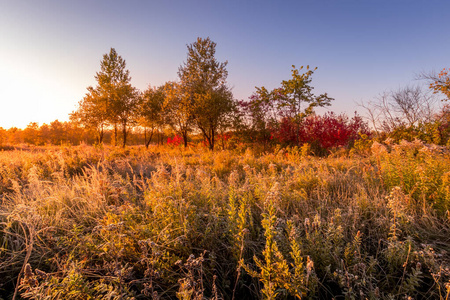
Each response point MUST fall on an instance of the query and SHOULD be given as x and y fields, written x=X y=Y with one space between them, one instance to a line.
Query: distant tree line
x=66 y=133
x=200 y=106
x=55 y=133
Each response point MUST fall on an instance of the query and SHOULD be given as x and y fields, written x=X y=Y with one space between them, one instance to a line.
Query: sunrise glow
x=50 y=51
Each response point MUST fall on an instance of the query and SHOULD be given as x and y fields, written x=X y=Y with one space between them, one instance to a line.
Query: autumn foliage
x=81 y=222
x=441 y=83
x=200 y=108
x=325 y=132
x=286 y=116
x=174 y=222
x=175 y=141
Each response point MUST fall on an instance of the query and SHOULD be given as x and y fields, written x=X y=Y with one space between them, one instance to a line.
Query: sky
x=51 y=50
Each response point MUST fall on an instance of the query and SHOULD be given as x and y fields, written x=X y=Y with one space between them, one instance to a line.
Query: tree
x=92 y=112
x=125 y=108
x=114 y=86
x=289 y=104
x=295 y=95
x=403 y=108
x=113 y=101
x=203 y=78
x=14 y=135
x=32 y=134
x=151 y=114
x=259 y=113
x=3 y=136
x=57 y=133
x=178 y=109
x=439 y=83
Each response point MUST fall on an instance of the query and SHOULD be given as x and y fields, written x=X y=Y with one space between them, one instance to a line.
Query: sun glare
x=30 y=94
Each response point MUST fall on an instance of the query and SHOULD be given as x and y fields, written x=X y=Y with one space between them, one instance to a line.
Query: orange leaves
x=442 y=83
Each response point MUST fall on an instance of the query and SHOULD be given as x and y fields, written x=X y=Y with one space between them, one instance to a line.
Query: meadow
x=84 y=222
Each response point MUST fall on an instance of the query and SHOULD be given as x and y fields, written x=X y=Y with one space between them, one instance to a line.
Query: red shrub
x=327 y=131
x=175 y=141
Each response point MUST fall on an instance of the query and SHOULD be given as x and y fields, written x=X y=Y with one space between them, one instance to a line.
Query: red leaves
x=224 y=136
x=175 y=141
x=327 y=131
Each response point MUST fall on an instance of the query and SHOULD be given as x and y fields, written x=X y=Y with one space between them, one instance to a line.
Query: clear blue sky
x=50 y=50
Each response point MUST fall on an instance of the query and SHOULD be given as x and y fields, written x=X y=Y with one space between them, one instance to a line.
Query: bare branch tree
x=406 y=106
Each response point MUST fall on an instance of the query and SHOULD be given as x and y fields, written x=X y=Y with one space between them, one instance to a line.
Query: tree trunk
x=297 y=132
x=185 y=140
x=223 y=141
x=124 y=133
x=209 y=138
x=115 y=134
x=147 y=142
x=211 y=143
x=100 y=135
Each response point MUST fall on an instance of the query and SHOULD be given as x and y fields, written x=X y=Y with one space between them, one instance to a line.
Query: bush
x=322 y=132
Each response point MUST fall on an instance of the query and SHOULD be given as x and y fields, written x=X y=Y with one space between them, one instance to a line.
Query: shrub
x=323 y=132
x=175 y=141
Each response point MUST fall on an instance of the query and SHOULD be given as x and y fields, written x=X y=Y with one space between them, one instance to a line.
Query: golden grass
x=105 y=223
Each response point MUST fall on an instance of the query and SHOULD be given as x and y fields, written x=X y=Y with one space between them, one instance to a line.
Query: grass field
x=167 y=223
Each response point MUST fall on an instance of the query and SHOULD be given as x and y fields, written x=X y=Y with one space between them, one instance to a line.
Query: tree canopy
x=293 y=101
x=151 y=115
x=113 y=101
x=178 y=109
x=203 y=78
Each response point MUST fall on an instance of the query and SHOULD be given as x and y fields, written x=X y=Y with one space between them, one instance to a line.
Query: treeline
x=55 y=133
x=68 y=133
x=200 y=104
x=200 y=107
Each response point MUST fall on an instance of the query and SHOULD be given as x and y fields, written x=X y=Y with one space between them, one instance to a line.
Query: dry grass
x=105 y=223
